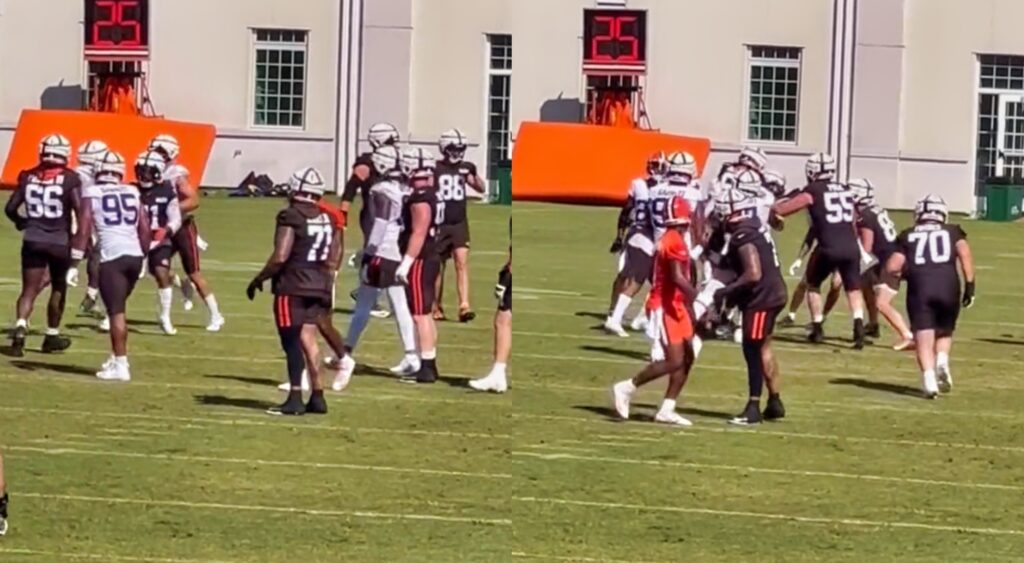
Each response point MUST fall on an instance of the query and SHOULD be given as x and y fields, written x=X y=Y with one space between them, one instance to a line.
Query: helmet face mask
x=681 y=168
x=820 y=167
x=774 y=182
x=149 y=168
x=750 y=183
x=733 y=205
x=386 y=160
x=54 y=150
x=657 y=166
x=931 y=209
x=863 y=191
x=383 y=134
x=453 y=146
x=418 y=166
x=753 y=157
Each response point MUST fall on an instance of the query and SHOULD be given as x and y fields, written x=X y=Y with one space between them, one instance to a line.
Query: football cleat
x=945 y=378
x=291 y=407
x=466 y=315
x=409 y=365
x=493 y=383
x=55 y=343
x=751 y=415
x=286 y=386
x=615 y=329
x=427 y=375
x=113 y=371
x=858 y=334
x=817 y=334
x=379 y=312
x=929 y=385
x=3 y=515
x=346 y=367
x=673 y=418
x=167 y=327
x=788 y=321
x=88 y=305
x=202 y=244
x=317 y=404
x=216 y=323
x=639 y=323
x=774 y=410
x=622 y=394
x=18 y=336
x=872 y=330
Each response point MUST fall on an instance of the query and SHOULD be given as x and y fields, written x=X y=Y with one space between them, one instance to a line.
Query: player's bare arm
x=679 y=278
x=894 y=266
x=787 y=207
x=14 y=204
x=284 y=238
x=80 y=241
x=751 y=269
x=867 y=239
x=144 y=231
x=360 y=173
x=420 y=225
x=337 y=250
x=188 y=195
x=966 y=259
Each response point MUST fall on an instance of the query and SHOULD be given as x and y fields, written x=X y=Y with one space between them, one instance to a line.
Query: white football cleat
x=493 y=383
x=216 y=323
x=408 y=366
x=945 y=382
x=621 y=396
x=929 y=386
x=347 y=367
x=672 y=418
x=639 y=323
x=737 y=336
x=112 y=371
x=187 y=304
x=202 y=244
x=105 y=324
x=286 y=386
x=167 y=327
x=615 y=328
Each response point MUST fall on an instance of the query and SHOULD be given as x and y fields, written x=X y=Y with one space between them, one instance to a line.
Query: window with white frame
x=774 y=93
x=499 y=95
x=279 y=85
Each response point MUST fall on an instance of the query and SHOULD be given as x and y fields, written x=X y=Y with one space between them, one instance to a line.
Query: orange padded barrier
x=593 y=164
x=127 y=134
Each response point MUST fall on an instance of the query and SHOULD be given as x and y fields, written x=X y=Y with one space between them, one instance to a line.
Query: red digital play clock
x=117 y=28
x=615 y=40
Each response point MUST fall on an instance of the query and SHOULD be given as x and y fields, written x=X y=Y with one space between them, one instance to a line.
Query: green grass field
x=182 y=465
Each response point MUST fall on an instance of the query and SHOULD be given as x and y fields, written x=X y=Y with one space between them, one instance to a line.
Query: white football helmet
x=418 y=161
x=308 y=181
x=453 y=145
x=750 y=183
x=382 y=134
x=55 y=149
x=863 y=191
x=168 y=144
x=386 y=160
x=775 y=182
x=149 y=168
x=682 y=168
x=754 y=158
x=931 y=208
x=110 y=168
x=730 y=203
x=89 y=152
x=657 y=165
x=821 y=166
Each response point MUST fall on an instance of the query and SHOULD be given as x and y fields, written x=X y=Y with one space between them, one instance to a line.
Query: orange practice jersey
x=664 y=292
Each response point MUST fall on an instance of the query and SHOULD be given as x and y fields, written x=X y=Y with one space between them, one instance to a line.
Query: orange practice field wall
x=129 y=135
x=588 y=164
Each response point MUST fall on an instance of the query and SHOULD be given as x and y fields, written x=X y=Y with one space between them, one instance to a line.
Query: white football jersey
x=639 y=233
x=175 y=171
x=386 y=199
x=115 y=216
x=764 y=206
x=86 y=175
x=660 y=198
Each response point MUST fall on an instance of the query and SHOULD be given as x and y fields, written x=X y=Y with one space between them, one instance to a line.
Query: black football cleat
x=873 y=330
x=291 y=407
x=750 y=416
x=817 y=334
x=774 y=410
x=466 y=316
x=3 y=515
x=55 y=343
x=787 y=322
x=427 y=375
x=316 y=404
x=858 y=334
x=18 y=336
x=88 y=305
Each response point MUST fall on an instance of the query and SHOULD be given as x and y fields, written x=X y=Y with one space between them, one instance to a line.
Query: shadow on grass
x=222 y=401
x=837 y=344
x=629 y=354
x=591 y=315
x=146 y=323
x=1005 y=341
x=261 y=381
x=606 y=412
x=882 y=386
x=29 y=365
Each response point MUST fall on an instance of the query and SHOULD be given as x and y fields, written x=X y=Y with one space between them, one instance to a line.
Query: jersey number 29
x=931 y=248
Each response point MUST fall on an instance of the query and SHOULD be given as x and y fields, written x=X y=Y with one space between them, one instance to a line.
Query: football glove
x=254 y=286
x=72 y=277
x=616 y=246
x=968 y=300
x=794 y=268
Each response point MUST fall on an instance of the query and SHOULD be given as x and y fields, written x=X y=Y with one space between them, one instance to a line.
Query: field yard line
x=549 y=292
x=801 y=473
x=265 y=462
x=672 y=433
x=239 y=419
x=280 y=509
x=104 y=557
x=522 y=555
x=772 y=516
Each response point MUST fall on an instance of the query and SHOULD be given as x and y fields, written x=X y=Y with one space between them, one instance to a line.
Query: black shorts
x=159 y=257
x=639 y=266
x=292 y=311
x=878 y=276
x=822 y=265
x=53 y=257
x=451 y=238
x=117 y=281
x=186 y=244
x=423 y=286
x=759 y=324
x=380 y=272
x=933 y=311
x=504 y=290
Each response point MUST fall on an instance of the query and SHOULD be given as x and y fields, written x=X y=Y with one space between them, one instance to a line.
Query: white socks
x=121 y=361
x=365 y=300
x=942 y=360
x=92 y=292
x=698 y=344
x=22 y=323
x=498 y=370
x=211 y=304
x=820 y=318
x=166 y=297
x=52 y=332
x=858 y=314
x=429 y=354
x=791 y=316
x=621 y=304
x=668 y=406
x=929 y=382
x=403 y=318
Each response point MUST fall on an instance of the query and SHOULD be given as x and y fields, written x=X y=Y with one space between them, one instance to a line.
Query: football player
x=50 y=193
x=927 y=255
x=878 y=237
x=160 y=201
x=454 y=180
x=382 y=257
x=751 y=158
x=113 y=210
x=3 y=499
x=187 y=242
x=88 y=153
x=306 y=254
x=421 y=262
x=833 y=218
x=497 y=380
x=671 y=326
x=760 y=293
x=634 y=242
